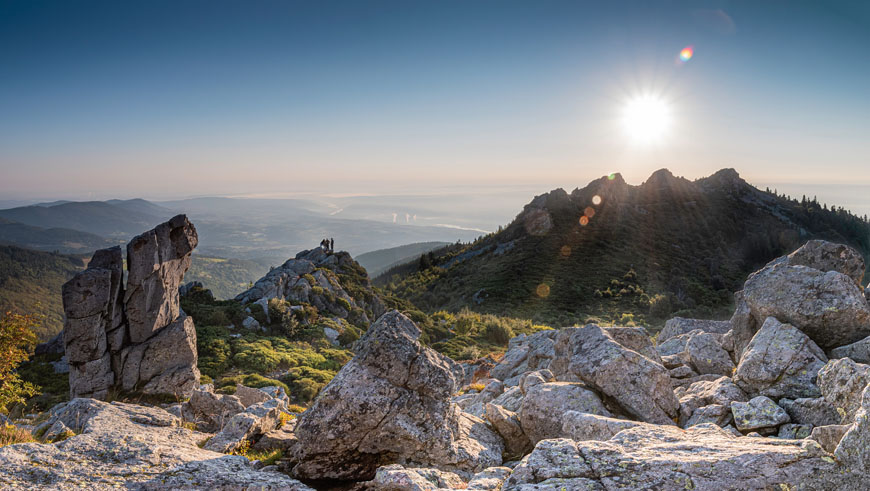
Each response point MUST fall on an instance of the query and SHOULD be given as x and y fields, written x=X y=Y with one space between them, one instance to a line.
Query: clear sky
x=180 y=98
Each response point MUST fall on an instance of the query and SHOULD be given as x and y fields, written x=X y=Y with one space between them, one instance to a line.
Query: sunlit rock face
x=135 y=339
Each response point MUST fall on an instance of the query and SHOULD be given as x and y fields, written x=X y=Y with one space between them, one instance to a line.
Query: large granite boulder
x=209 y=411
x=858 y=351
x=758 y=414
x=640 y=386
x=507 y=424
x=854 y=448
x=827 y=306
x=814 y=411
x=580 y=426
x=525 y=353
x=705 y=355
x=255 y=421
x=391 y=403
x=828 y=256
x=704 y=457
x=127 y=446
x=780 y=361
x=842 y=382
x=135 y=339
x=544 y=405
x=707 y=393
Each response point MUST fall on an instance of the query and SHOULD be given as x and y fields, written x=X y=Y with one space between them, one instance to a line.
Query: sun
x=646 y=119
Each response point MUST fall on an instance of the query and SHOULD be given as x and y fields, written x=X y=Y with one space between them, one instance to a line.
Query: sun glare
x=646 y=119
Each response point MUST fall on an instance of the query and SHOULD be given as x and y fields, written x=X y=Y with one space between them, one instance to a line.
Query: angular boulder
x=827 y=306
x=640 y=386
x=858 y=351
x=680 y=325
x=255 y=421
x=780 y=361
x=842 y=382
x=759 y=414
x=829 y=256
x=545 y=404
x=525 y=353
x=705 y=354
x=391 y=402
x=507 y=424
x=816 y=411
x=705 y=393
x=580 y=426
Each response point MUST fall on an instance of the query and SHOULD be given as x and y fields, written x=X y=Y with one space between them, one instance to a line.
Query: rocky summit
x=771 y=399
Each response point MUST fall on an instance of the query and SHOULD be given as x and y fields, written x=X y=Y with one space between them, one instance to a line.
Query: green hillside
x=624 y=253
x=376 y=262
x=226 y=278
x=30 y=282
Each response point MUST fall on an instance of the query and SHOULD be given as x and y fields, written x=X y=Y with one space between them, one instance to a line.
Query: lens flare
x=612 y=176
x=565 y=251
x=589 y=211
x=584 y=220
x=687 y=53
x=543 y=290
x=596 y=200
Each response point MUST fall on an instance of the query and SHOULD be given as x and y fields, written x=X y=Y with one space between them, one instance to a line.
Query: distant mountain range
x=668 y=245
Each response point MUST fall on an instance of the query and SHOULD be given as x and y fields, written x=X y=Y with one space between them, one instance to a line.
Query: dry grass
x=10 y=435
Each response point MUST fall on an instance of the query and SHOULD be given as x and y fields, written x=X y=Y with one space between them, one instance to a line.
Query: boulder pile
x=133 y=337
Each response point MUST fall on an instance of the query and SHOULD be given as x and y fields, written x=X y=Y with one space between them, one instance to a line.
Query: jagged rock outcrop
x=703 y=457
x=780 y=361
x=134 y=338
x=710 y=394
x=391 y=403
x=125 y=445
x=525 y=353
x=312 y=278
x=681 y=325
x=828 y=256
x=640 y=386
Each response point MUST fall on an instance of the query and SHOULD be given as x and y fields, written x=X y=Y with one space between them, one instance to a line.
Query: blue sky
x=172 y=99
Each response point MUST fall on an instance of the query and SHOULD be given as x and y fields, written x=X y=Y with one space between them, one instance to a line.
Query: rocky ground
x=775 y=398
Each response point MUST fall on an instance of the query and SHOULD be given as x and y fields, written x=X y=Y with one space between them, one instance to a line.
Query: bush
x=16 y=338
x=498 y=333
x=11 y=434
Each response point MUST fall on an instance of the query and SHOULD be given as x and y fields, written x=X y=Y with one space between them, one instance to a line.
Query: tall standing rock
x=391 y=404
x=156 y=262
x=133 y=339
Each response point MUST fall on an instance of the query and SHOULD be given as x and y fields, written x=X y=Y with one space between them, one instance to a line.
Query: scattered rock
x=391 y=402
x=580 y=426
x=858 y=351
x=829 y=436
x=252 y=324
x=810 y=300
x=842 y=383
x=828 y=256
x=507 y=424
x=209 y=410
x=639 y=385
x=254 y=421
x=545 y=404
x=53 y=346
x=718 y=414
x=721 y=391
x=525 y=353
x=705 y=354
x=489 y=479
x=249 y=396
x=395 y=477
x=760 y=413
x=816 y=412
x=792 y=431
x=679 y=325
x=780 y=361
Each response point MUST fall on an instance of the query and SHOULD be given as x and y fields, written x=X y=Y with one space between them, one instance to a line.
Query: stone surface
x=254 y=421
x=829 y=256
x=760 y=413
x=489 y=479
x=858 y=351
x=721 y=391
x=829 y=436
x=525 y=353
x=854 y=448
x=127 y=446
x=507 y=425
x=581 y=426
x=249 y=396
x=165 y=364
x=842 y=383
x=639 y=385
x=395 y=477
x=705 y=457
x=705 y=354
x=827 y=306
x=816 y=411
x=780 y=361
x=391 y=402
x=681 y=325
x=718 y=414
x=793 y=431
x=545 y=404
x=635 y=339
x=156 y=263
x=209 y=410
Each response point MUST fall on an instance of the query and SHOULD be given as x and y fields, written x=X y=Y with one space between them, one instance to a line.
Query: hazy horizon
x=164 y=100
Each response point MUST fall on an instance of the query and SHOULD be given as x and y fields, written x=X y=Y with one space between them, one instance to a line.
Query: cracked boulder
x=391 y=404
x=680 y=325
x=780 y=361
x=640 y=386
x=760 y=414
x=842 y=382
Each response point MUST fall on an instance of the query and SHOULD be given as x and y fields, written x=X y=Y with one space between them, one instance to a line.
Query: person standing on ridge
x=331 y=245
